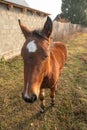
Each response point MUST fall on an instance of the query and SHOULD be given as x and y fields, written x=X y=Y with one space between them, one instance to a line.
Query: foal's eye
x=30 y=57
x=44 y=57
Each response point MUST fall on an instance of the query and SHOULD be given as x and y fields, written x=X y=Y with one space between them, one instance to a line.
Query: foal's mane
x=39 y=34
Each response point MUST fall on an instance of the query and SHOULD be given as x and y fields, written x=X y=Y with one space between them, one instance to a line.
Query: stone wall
x=11 y=37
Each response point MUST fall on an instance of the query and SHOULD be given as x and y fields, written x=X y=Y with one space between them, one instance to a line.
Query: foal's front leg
x=52 y=95
x=42 y=94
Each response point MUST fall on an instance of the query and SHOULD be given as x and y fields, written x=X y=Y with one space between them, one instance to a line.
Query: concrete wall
x=11 y=37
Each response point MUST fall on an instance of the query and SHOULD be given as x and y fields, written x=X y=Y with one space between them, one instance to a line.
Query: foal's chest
x=48 y=82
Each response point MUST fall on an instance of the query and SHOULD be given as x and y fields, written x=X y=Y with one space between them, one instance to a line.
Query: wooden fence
x=62 y=31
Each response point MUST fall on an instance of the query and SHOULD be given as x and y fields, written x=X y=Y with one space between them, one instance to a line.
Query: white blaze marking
x=31 y=46
x=26 y=92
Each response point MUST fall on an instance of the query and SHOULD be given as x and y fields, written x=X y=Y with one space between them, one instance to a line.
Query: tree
x=75 y=11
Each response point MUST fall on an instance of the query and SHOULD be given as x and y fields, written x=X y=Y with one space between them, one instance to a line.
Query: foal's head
x=35 y=53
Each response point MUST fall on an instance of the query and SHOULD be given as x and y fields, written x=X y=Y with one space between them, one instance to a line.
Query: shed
x=11 y=37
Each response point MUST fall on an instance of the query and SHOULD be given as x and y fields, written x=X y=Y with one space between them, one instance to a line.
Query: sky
x=52 y=7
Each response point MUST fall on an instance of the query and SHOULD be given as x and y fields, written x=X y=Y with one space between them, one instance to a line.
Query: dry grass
x=70 y=110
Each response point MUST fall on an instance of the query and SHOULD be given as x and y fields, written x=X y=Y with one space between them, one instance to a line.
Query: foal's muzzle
x=31 y=99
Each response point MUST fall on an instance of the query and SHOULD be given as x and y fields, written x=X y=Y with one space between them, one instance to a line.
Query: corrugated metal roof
x=18 y=2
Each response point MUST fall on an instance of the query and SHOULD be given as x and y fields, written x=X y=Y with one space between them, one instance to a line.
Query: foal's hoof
x=52 y=104
x=42 y=111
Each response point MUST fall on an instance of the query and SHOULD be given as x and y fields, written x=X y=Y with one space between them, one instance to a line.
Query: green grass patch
x=70 y=110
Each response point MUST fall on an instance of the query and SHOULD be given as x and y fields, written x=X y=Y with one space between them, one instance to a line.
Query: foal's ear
x=24 y=29
x=48 y=26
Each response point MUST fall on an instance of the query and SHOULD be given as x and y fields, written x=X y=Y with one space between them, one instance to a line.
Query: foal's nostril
x=26 y=99
x=34 y=98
